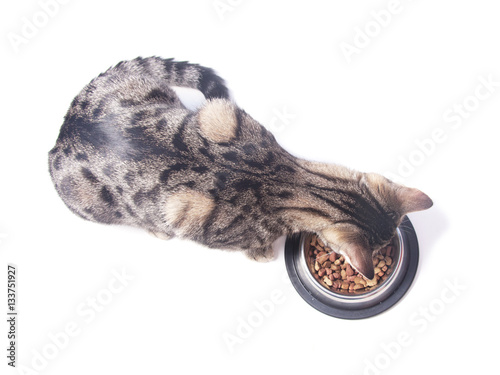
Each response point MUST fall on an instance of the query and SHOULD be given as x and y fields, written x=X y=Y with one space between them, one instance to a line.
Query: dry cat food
x=335 y=273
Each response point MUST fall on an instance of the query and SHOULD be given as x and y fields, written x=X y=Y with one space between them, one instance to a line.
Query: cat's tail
x=181 y=74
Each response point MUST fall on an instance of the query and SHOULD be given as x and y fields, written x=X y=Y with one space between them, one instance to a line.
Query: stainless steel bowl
x=361 y=304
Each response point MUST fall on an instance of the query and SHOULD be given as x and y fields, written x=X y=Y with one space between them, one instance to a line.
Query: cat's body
x=130 y=153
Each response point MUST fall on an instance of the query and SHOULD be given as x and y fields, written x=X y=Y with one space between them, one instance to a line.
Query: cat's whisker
x=405 y=228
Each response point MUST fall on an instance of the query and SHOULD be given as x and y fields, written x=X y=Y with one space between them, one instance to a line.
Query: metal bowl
x=360 y=304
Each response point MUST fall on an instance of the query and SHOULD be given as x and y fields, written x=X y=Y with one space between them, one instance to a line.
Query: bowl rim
x=363 y=309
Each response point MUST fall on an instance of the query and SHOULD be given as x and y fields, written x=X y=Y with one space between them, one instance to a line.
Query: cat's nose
x=368 y=273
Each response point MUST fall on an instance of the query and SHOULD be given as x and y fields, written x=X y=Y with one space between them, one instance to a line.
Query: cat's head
x=374 y=224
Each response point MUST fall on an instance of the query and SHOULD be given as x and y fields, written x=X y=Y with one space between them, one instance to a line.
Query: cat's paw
x=261 y=255
x=162 y=235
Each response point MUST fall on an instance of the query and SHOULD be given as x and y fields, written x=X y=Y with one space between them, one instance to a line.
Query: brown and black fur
x=130 y=153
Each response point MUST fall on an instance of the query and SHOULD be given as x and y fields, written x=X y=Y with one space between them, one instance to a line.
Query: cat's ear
x=413 y=199
x=360 y=258
x=401 y=198
x=350 y=244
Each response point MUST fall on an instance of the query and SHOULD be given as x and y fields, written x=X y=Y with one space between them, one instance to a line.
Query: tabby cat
x=129 y=152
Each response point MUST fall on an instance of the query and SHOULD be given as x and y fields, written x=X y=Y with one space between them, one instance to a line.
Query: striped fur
x=130 y=153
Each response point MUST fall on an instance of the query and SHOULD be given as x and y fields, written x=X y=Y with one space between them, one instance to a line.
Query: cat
x=129 y=152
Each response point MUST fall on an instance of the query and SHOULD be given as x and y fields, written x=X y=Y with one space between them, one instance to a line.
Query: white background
x=184 y=301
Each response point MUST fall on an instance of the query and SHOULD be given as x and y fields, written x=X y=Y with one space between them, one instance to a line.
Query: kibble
x=336 y=274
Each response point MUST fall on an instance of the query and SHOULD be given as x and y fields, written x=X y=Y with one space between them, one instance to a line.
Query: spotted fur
x=130 y=153
x=217 y=120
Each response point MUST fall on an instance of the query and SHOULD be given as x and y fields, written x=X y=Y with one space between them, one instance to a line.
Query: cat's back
x=127 y=142
x=119 y=97
x=120 y=122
